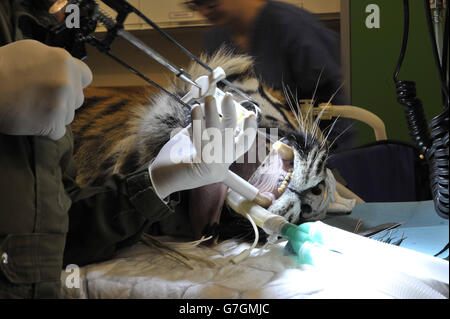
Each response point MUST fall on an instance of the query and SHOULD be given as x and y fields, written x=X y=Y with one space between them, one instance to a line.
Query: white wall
x=108 y=73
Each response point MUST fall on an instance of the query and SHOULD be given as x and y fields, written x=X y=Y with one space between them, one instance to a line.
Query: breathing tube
x=431 y=140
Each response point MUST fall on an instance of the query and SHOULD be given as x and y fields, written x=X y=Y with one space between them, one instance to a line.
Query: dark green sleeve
x=105 y=218
x=24 y=20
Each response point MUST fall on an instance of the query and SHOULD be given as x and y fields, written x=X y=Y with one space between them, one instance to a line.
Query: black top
x=290 y=46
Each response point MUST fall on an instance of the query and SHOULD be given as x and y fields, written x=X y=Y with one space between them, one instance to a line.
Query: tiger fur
x=120 y=129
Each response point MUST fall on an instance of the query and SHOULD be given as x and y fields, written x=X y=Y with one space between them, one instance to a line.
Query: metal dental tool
x=73 y=40
x=109 y=23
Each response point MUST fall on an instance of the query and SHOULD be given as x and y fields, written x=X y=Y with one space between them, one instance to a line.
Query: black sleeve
x=105 y=218
x=315 y=62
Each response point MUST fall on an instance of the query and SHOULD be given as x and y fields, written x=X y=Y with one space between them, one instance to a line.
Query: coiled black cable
x=433 y=146
x=414 y=114
x=438 y=161
x=406 y=95
x=438 y=155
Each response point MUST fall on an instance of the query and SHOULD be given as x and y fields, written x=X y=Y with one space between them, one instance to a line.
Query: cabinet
x=173 y=13
x=317 y=6
x=166 y=14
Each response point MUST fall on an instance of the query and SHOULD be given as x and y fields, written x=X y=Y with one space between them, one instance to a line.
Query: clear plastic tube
x=271 y=223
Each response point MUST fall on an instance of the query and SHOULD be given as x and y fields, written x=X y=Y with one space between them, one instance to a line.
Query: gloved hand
x=188 y=161
x=41 y=87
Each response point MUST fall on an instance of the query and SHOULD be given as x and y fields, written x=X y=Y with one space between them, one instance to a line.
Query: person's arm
x=41 y=87
x=105 y=218
x=113 y=215
x=316 y=69
x=314 y=61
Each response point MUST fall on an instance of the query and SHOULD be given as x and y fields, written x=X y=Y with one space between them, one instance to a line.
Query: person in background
x=290 y=47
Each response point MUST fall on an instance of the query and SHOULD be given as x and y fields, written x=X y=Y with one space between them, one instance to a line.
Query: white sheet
x=143 y=272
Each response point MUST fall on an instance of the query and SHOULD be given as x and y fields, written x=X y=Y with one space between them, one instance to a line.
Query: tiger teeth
x=284 y=184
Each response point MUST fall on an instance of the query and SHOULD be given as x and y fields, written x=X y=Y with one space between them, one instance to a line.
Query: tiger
x=118 y=130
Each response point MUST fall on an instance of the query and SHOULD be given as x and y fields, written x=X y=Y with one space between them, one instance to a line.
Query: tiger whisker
x=326 y=131
x=317 y=84
x=303 y=123
x=340 y=134
x=331 y=98
x=329 y=132
x=334 y=94
x=313 y=99
x=268 y=136
x=317 y=121
x=323 y=110
x=289 y=102
x=307 y=126
x=299 y=112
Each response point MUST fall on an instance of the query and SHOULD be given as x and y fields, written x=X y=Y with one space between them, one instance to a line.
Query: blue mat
x=422 y=228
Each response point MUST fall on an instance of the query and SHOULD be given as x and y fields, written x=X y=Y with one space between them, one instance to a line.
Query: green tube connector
x=304 y=255
x=313 y=231
x=302 y=240
x=295 y=236
x=302 y=233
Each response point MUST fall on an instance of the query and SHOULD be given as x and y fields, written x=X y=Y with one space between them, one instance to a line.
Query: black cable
x=445 y=47
x=442 y=76
x=442 y=250
x=438 y=156
x=406 y=95
x=434 y=145
x=404 y=39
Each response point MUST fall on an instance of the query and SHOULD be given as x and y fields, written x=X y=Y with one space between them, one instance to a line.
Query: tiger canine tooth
x=284 y=150
x=263 y=200
x=281 y=189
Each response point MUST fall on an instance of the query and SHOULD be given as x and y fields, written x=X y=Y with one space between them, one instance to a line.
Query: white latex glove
x=180 y=164
x=41 y=87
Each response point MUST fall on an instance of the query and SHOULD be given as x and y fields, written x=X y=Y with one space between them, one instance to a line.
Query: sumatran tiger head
x=290 y=175
x=291 y=172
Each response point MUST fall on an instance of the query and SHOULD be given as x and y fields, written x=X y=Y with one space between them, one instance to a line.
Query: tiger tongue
x=205 y=206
